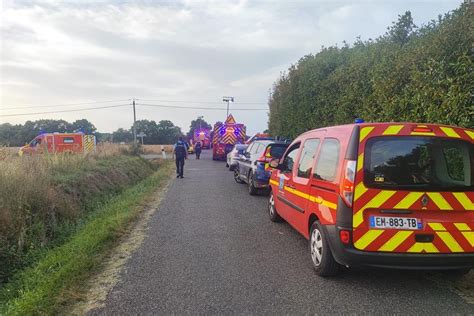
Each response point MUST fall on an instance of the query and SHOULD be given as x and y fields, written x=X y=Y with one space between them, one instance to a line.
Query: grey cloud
x=70 y=51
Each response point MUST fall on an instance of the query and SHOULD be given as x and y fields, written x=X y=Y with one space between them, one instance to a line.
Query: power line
x=54 y=105
x=190 y=102
x=122 y=105
x=62 y=111
x=199 y=108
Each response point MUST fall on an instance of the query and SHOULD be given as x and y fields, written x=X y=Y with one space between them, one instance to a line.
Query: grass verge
x=38 y=289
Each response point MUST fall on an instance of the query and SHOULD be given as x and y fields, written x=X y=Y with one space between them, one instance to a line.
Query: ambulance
x=59 y=143
x=395 y=195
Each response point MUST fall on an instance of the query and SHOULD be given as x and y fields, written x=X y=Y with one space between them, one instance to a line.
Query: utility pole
x=134 y=123
x=227 y=99
x=200 y=121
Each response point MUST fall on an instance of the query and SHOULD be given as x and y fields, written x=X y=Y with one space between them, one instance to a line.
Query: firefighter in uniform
x=180 y=153
x=197 y=149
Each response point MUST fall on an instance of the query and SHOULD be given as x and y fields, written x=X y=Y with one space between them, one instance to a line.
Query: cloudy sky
x=185 y=53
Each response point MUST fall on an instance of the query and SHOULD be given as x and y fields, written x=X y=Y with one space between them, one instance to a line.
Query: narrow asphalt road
x=212 y=249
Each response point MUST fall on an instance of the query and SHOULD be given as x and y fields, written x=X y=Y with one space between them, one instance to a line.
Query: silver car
x=234 y=155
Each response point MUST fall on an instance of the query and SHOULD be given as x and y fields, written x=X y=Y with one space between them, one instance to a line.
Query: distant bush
x=44 y=198
x=409 y=74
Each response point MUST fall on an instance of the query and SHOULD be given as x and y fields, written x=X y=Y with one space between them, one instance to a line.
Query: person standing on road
x=180 y=152
x=197 y=149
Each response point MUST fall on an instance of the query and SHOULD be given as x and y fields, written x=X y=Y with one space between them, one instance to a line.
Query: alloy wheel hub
x=316 y=247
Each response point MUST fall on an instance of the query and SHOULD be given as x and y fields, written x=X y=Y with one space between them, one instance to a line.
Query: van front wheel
x=321 y=256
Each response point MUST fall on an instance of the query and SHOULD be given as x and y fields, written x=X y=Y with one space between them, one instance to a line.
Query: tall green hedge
x=423 y=74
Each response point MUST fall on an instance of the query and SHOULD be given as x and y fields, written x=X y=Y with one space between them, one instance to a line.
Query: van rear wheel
x=321 y=256
x=251 y=186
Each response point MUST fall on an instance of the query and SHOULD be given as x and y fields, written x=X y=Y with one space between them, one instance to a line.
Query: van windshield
x=423 y=163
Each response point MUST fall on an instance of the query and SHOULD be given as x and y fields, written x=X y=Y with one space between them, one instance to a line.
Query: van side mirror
x=275 y=164
x=247 y=154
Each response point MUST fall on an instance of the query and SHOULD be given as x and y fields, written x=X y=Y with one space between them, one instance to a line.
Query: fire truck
x=225 y=136
x=60 y=143
x=203 y=135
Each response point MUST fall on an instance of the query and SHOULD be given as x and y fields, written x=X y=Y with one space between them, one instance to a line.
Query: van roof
x=349 y=127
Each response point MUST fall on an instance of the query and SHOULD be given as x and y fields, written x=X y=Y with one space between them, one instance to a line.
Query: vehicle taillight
x=266 y=157
x=347 y=184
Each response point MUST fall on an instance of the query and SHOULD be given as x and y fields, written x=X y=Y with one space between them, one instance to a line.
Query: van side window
x=290 y=157
x=326 y=166
x=68 y=140
x=35 y=142
x=308 y=152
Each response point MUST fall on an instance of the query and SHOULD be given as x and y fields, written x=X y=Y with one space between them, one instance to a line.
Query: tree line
x=163 y=132
x=419 y=74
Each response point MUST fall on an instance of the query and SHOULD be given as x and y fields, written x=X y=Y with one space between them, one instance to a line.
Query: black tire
x=324 y=264
x=251 y=187
x=266 y=191
x=237 y=177
x=272 y=212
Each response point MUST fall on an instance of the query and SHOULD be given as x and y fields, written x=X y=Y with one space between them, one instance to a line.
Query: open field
x=156 y=149
x=103 y=149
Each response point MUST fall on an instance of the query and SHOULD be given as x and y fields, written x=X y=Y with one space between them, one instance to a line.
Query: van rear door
x=414 y=189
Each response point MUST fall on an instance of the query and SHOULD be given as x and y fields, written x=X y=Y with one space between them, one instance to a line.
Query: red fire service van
x=60 y=143
x=396 y=195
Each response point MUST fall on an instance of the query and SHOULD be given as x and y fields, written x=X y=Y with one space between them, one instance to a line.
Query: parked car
x=253 y=167
x=382 y=195
x=234 y=155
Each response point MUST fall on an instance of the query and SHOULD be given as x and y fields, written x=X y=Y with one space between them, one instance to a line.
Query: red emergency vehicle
x=395 y=195
x=203 y=135
x=225 y=136
x=60 y=143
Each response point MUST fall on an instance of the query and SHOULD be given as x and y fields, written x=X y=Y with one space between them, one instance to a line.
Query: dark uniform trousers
x=180 y=166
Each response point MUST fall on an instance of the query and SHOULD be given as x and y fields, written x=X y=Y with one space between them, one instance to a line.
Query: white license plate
x=388 y=222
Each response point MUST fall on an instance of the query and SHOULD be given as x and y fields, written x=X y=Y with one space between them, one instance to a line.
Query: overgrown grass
x=38 y=289
x=43 y=199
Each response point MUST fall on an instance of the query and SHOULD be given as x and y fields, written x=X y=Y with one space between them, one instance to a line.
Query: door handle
x=290 y=186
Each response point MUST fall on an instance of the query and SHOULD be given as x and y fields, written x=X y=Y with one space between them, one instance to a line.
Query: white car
x=234 y=155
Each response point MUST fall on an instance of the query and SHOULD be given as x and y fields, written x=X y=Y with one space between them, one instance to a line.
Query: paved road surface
x=212 y=249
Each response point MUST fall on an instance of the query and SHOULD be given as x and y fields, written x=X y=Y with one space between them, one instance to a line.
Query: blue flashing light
x=358 y=121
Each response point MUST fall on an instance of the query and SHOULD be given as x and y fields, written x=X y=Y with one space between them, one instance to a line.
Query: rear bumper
x=261 y=184
x=262 y=178
x=349 y=256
